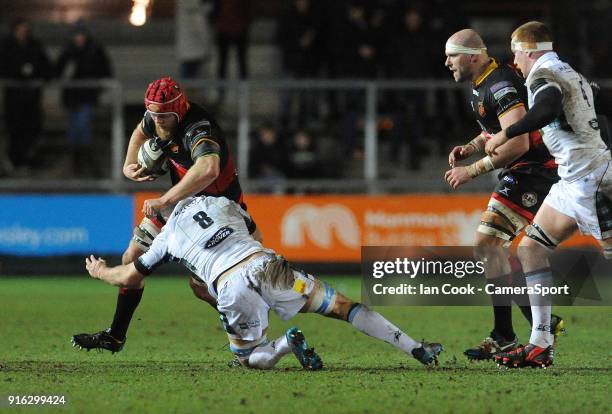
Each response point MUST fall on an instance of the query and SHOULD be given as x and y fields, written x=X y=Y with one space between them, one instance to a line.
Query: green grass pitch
x=176 y=355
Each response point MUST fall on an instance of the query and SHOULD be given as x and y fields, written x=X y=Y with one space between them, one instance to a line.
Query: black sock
x=127 y=302
x=502 y=310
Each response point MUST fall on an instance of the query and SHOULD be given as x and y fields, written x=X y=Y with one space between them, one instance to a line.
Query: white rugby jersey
x=208 y=235
x=573 y=138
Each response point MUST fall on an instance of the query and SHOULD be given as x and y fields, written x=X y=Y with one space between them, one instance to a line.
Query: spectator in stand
x=22 y=58
x=268 y=158
x=600 y=39
x=193 y=37
x=232 y=19
x=83 y=58
x=413 y=62
x=356 y=43
x=299 y=29
x=385 y=22
x=298 y=37
x=356 y=54
x=303 y=157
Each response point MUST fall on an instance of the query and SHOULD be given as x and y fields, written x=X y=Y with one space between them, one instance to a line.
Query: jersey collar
x=546 y=57
x=492 y=66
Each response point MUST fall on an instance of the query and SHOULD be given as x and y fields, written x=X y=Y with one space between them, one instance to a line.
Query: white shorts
x=244 y=301
x=587 y=200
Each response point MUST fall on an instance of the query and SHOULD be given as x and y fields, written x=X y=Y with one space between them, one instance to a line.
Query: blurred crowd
x=26 y=66
x=313 y=132
x=361 y=39
x=403 y=39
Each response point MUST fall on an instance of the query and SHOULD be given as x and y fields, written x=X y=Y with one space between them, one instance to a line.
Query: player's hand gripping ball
x=153 y=159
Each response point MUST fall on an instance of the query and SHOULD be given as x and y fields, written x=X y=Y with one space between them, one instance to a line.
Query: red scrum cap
x=166 y=96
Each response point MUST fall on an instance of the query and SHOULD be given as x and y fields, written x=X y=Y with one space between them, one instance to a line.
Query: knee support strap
x=323 y=298
x=538 y=234
x=494 y=222
x=144 y=233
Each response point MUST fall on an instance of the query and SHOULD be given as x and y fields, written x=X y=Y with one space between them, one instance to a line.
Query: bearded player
x=199 y=162
x=562 y=104
x=212 y=237
x=528 y=171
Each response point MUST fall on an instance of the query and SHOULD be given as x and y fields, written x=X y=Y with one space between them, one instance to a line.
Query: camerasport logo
x=221 y=234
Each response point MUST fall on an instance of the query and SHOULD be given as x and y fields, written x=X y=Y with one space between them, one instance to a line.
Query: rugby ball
x=152 y=158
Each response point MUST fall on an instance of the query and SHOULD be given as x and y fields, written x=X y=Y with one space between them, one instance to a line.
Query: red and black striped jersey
x=497 y=91
x=198 y=135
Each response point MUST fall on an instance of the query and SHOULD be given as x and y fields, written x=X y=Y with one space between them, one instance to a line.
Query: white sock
x=374 y=324
x=266 y=356
x=540 y=309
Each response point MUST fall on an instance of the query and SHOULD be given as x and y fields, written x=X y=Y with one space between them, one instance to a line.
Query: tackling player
x=212 y=237
x=561 y=104
x=200 y=163
x=528 y=171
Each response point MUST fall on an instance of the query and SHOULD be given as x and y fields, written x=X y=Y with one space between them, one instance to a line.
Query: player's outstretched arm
x=122 y=275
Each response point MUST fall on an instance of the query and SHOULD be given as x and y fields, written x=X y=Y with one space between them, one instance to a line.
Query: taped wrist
x=477 y=143
x=480 y=167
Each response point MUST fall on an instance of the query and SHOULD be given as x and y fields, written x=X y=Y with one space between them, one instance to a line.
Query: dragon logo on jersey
x=529 y=199
x=481 y=110
x=221 y=234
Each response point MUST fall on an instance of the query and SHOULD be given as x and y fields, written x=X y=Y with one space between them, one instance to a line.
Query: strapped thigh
x=537 y=233
x=322 y=298
x=501 y=222
x=145 y=232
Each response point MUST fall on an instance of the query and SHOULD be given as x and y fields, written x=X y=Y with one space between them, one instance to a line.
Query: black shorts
x=523 y=191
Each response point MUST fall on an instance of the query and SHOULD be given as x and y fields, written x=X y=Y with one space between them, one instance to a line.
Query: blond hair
x=532 y=32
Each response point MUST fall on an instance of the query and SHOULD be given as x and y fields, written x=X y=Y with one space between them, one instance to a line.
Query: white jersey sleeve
x=573 y=139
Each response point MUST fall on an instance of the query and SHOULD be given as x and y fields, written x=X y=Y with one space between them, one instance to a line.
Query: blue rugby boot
x=307 y=356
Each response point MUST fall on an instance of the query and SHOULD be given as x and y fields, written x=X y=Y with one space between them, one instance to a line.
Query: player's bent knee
x=487 y=247
x=342 y=307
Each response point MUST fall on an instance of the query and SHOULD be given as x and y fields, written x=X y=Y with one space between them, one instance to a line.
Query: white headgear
x=531 y=46
x=454 y=49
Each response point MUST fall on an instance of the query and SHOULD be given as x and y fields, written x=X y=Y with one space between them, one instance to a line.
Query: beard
x=163 y=133
x=462 y=76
